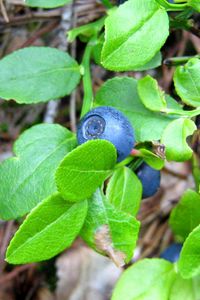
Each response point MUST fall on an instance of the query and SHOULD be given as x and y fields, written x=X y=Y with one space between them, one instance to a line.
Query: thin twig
x=15 y=273
x=3 y=11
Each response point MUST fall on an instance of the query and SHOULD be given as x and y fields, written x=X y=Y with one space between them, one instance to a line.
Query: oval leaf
x=174 y=139
x=189 y=261
x=147 y=279
x=186 y=215
x=151 y=95
x=85 y=169
x=127 y=32
x=187 y=82
x=37 y=74
x=28 y=178
x=50 y=228
x=124 y=191
x=109 y=230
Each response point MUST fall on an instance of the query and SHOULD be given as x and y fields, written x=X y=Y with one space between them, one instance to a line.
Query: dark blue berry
x=172 y=253
x=150 y=179
x=119 y=2
x=107 y=123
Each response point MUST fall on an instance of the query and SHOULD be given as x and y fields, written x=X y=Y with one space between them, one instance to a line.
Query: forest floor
x=78 y=273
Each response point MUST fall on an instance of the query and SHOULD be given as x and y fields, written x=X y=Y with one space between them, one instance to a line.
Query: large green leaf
x=29 y=177
x=46 y=3
x=122 y=94
x=187 y=82
x=109 y=230
x=174 y=139
x=148 y=279
x=124 y=191
x=189 y=261
x=128 y=44
x=50 y=228
x=37 y=74
x=186 y=215
x=84 y=169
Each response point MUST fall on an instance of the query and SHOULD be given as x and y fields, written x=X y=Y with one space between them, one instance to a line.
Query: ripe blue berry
x=150 y=179
x=172 y=253
x=107 y=123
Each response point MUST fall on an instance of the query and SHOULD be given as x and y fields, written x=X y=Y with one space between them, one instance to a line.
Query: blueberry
x=150 y=179
x=172 y=253
x=119 y=2
x=107 y=123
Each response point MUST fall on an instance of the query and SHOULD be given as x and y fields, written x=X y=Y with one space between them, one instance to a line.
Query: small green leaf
x=187 y=82
x=47 y=3
x=185 y=288
x=124 y=191
x=109 y=230
x=186 y=215
x=37 y=74
x=174 y=139
x=121 y=93
x=128 y=44
x=152 y=159
x=151 y=95
x=50 y=228
x=28 y=178
x=85 y=169
x=189 y=261
x=148 y=279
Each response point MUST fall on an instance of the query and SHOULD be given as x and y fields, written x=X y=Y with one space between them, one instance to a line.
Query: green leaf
x=155 y=62
x=152 y=159
x=148 y=279
x=37 y=74
x=174 y=139
x=128 y=44
x=121 y=93
x=50 y=228
x=124 y=191
x=109 y=230
x=28 y=178
x=196 y=170
x=84 y=169
x=189 y=261
x=187 y=82
x=195 y=4
x=186 y=215
x=185 y=288
x=151 y=95
x=96 y=51
x=46 y=3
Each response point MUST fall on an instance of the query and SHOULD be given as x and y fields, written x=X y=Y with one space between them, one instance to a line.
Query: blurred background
x=79 y=273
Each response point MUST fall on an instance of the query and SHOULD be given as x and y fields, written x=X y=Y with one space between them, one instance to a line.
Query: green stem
x=179 y=1
x=176 y=61
x=87 y=80
x=186 y=113
x=124 y=162
x=172 y=7
x=107 y=3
